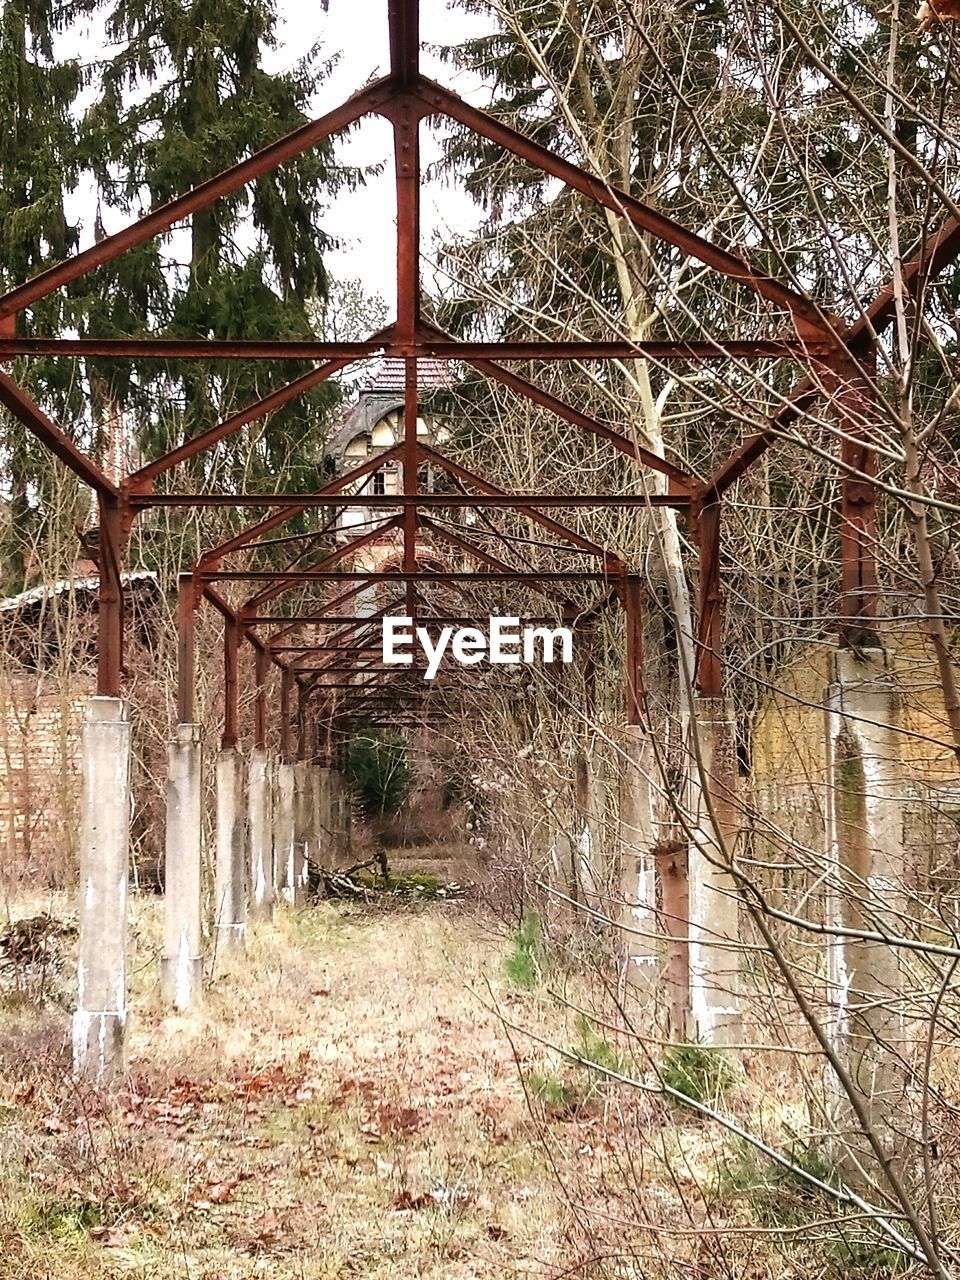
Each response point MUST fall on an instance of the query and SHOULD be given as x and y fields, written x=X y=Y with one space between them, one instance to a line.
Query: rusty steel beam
x=352 y=624
x=260 y=719
x=344 y=353
x=498 y=498
x=24 y=408
x=411 y=460
x=146 y=474
x=362 y=619
x=375 y=576
x=927 y=261
x=363 y=690
x=930 y=258
x=530 y=391
x=343 y=598
x=807 y=316
x=854 y=406
x=332 y=649
x=187 y=601
x=339 y=353
x=522 y=505
x=284 y=580
x=110 y=602
x=403 y=20
x=286 y=727
x=370 y=99
x=289 y=510
x=406 y=142
x=231 y=683
x=800 y=400
x=227 y=613
x=484 y=557
x=595 y=610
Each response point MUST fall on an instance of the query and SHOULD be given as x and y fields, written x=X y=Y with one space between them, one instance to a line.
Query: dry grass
x=348 y=1103
x=344 y=1105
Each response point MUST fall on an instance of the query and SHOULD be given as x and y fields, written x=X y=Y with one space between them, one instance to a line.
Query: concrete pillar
x=230 y=902
x=346 y=811
x=181 y=967
x=323 y=816
x=260 y=835
x=638 y=836
x=585 y=852
x=302 y=824
x=866 y=887
x=100 y=1021
x=285 y=844
x=715 y=957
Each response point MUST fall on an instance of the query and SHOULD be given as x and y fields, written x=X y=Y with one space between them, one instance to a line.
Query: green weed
x=559 y=1097
x=775 y=1195
x=867 y=1259
x=596 y=1050
x=700 y=1073
x=524 y=964
x=61 y=1219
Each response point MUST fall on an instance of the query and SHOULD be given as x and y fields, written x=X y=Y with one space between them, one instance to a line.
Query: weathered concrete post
x=866 y=889
x=637 y=839
x=302 y=824
x=715 y=956
x=100 y=1021
x=181 y=967
x=285 y=840
x=585 y=850
x=344 y=816
x=260 y=834
x=323 y=816
x=230 y=906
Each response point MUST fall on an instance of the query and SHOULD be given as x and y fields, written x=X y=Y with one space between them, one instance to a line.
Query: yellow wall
x=788 y=738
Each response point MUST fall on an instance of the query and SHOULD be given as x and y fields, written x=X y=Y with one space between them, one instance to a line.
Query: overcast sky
x=365 y=221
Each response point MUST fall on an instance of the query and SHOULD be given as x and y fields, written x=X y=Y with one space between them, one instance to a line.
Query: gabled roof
x=383 y=392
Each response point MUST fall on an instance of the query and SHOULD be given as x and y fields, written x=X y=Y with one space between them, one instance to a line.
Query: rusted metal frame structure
x=842 y=355
x=195 y=587
x=207 y=570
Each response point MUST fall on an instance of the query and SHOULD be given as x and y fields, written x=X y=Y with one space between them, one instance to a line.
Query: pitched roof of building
x=389 y=375
x=45 y=590
x=382 y=393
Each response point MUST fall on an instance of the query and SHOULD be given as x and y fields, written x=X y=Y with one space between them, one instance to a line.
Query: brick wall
x=39 y=779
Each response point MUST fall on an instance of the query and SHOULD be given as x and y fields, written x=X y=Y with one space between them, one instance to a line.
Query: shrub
x=524 y=964
x=560 y=1098
x=776 y=1195
x=379 y=772
x=600 y=1056
x=700 y=1073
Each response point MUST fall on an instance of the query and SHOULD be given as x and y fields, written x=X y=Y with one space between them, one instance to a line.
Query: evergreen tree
x=187 y=95
x=39 y=166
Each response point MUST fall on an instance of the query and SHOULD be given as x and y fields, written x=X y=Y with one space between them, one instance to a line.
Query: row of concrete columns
x=682 y=899
x=294 y=813
x=681 y=904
